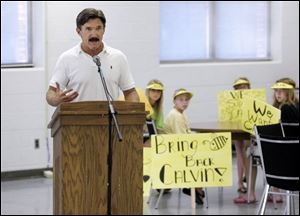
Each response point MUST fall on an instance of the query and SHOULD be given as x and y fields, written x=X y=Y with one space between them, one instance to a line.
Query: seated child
x=154 y=94
x=152 y=97
x=285 y=99
x=177 y=123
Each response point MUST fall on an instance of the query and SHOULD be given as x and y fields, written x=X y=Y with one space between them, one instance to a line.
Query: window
x=182 y=30
x=15 y=33
x=214 y=31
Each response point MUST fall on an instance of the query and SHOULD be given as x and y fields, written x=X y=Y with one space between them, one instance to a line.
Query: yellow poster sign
x=147 y=160
x=191 y=160
x=230 y=102
x=256 y=112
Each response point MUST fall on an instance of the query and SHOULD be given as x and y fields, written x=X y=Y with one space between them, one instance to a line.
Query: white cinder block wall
x=133 y=27
x=23 y=109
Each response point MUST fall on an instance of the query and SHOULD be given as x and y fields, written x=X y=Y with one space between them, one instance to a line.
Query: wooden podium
x=80 y=133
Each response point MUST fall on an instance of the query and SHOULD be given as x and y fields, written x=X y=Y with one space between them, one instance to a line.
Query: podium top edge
x=96 y=108
x=100 y=105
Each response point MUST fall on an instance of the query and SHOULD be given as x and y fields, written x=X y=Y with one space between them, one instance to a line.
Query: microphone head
x=96 y=59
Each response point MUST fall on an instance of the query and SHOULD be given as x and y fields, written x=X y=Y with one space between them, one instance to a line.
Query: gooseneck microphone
x=109 y=98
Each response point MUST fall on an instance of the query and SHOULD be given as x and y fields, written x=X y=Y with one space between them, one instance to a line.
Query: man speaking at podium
x=75 y=76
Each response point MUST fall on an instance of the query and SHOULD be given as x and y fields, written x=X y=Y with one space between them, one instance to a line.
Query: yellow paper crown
x=282 y=85
x=155 y=86
x=241 y=81
x=182 y=91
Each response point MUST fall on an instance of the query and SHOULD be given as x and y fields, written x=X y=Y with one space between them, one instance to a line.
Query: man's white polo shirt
x=76 y=70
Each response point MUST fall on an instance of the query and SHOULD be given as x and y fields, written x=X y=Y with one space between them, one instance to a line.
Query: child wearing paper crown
x=285 y=99
x=177 y=123
x=154 y=93
x=241 y=83
x=152 y=97
x=240 y=146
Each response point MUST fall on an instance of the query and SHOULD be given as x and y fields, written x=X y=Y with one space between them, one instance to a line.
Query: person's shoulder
x=289 y=106
x=174 y=113
x=71 y=53
x=115 y=52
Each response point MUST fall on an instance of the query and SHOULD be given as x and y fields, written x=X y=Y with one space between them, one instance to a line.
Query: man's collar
x=105 y=50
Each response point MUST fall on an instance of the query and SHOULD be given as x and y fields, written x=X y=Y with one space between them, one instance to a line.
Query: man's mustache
x=94 y=39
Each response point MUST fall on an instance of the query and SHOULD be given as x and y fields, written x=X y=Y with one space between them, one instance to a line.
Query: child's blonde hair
x=290 y=93
x=158 y=106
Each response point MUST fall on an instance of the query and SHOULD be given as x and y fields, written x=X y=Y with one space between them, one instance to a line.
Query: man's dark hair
x=87 y=14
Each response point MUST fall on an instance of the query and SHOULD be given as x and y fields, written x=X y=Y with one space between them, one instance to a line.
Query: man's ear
x=78 y=30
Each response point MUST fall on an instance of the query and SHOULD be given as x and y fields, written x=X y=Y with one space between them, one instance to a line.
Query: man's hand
x=56 y=96
x=131 y=95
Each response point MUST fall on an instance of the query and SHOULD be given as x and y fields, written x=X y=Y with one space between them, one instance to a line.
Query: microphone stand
x=112 y=116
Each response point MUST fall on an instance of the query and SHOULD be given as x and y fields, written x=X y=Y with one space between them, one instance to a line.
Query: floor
x=34 y=196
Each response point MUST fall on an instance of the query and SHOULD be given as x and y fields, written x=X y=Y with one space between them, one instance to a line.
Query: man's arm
x=131 y=95
x=55 y=96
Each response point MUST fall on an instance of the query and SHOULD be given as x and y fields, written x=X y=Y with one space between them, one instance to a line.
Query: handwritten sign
x=256 y=112
x=147 y=160
x=230 y=102
x=191 y=160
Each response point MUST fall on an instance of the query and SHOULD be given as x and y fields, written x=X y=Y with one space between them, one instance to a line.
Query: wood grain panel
x=96 y=170
x=127 y=184
x=73 y=165
x=57 y=175
x=80 y=134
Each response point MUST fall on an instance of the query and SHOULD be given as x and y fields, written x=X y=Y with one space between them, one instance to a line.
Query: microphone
x=109 y=98
x=96 y=59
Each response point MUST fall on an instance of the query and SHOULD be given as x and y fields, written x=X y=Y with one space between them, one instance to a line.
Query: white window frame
x=29 y=45
x=210 y=42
